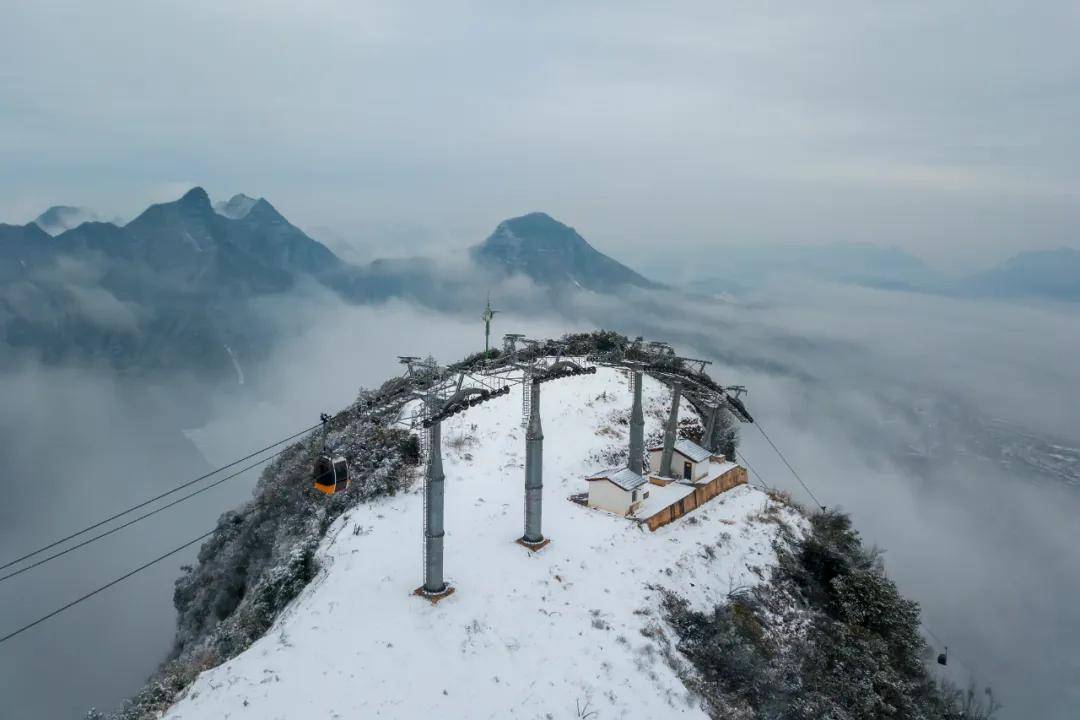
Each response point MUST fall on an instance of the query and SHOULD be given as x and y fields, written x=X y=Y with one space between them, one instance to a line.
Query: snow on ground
x=525 y=635
x=661 y=497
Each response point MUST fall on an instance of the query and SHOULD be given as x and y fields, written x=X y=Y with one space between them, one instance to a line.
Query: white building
x=618 y=491
x=689 y=461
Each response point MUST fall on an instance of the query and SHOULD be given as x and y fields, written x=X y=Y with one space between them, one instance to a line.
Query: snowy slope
x=526 y=635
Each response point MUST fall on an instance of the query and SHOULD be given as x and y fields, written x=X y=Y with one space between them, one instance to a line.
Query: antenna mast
x=487 y=317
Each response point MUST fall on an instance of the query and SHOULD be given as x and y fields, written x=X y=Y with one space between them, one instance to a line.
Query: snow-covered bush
x=829 y=636
x=262 y=555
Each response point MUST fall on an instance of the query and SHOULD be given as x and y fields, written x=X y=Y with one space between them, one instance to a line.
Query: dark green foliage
x=603 y=341
x=728 y=647
x=829 y=636
x=410 y=450
x=691 y=429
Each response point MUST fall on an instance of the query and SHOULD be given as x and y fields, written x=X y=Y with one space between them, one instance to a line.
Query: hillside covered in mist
x=176 y=289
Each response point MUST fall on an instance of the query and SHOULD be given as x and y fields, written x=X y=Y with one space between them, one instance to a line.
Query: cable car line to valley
x=751 y=468
x=154 y=499
x=331 y=471
x=129 y=523
x=104 y=587
x=123 y=577
x=789 y=467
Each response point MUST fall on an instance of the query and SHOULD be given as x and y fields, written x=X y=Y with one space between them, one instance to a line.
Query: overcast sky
x=947 y=128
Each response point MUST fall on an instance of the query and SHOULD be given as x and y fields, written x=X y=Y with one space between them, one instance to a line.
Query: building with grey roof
x=619 y=490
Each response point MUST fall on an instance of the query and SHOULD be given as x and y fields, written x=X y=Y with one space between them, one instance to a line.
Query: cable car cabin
x=331 y=474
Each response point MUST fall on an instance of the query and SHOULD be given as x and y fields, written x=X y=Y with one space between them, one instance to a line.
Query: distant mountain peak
x=261 y=209
x=236 y=207
x=540 y=227
x=60 y=218
x=537 y=216
x=553 y=254
x=196 y=196
x=1052 y=274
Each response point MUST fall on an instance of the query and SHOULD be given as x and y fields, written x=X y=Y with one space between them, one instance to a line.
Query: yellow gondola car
x=331 y=474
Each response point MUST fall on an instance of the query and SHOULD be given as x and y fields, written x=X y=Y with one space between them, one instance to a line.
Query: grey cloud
x=71 y=288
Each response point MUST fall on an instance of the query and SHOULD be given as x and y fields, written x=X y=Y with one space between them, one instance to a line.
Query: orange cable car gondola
x=331 y=472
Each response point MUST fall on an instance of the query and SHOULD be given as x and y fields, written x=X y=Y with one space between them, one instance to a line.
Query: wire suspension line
x=104 y=587
x=154 y=499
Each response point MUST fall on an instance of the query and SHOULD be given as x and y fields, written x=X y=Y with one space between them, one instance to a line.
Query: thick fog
x=891 y=406
x=948 y=429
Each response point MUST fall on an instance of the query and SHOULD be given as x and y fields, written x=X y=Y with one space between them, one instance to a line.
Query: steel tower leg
x=534 y=470
x=433 y=527
x=637 y=427
x=671 y=430
x=710 y=429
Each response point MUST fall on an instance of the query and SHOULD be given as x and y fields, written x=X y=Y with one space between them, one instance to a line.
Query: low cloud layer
x=942 y=426
x=891 y=406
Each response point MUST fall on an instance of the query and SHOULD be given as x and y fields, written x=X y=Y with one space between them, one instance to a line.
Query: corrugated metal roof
x=626 y=478
x=692 y=450
x=689 y=448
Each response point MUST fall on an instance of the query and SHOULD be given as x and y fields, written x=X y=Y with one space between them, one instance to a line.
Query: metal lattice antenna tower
x=488 y=315
x=671 y=429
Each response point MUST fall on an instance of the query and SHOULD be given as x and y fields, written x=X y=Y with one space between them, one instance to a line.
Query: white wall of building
x=697 y=470
x=606 y=495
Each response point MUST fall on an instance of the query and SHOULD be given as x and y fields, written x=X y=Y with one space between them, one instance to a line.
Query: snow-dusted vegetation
x=264 y=553
x=829 y=636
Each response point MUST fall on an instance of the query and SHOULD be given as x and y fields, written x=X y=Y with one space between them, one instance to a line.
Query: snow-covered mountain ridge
x=304 y=605
x=572 y=629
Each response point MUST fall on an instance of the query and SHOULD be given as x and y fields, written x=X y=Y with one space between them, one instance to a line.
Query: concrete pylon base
x=533 y=546
x=434 y=597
